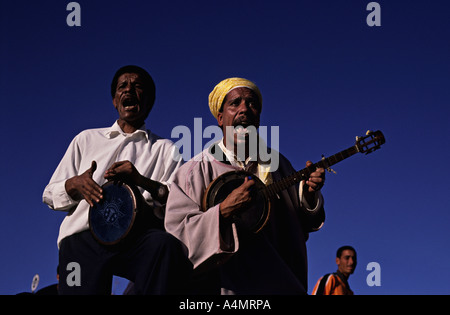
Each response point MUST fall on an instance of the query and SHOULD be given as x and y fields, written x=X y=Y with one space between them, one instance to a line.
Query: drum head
x=111 y=219
x=255 y=216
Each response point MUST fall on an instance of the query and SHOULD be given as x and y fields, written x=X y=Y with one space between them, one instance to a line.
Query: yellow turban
x=217 y=96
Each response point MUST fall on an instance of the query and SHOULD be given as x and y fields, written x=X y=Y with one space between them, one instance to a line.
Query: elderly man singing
x=125 y=152
x=228 y=257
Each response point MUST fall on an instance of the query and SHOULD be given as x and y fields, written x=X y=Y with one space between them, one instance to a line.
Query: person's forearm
x=158 y=191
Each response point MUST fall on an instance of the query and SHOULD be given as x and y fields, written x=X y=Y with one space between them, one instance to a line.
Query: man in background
x=337 y=283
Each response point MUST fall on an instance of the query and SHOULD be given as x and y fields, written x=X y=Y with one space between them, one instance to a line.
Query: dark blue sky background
x=325 y=77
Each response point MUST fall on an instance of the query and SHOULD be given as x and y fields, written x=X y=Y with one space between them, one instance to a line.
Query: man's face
x=241 y=108
x=347 y=262
x=131 y=99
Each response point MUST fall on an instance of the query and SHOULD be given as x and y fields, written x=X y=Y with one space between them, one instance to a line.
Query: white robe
x=272 y=261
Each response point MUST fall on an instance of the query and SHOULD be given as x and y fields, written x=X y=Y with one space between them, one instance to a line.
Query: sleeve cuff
x=318 y=199
x=60 y=198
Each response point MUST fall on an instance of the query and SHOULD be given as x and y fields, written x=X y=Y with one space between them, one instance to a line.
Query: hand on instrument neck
x=314 y=183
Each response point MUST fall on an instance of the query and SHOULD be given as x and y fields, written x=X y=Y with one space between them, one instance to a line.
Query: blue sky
x=325 y=77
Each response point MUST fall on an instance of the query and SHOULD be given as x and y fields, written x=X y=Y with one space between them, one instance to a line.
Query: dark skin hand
x=126 y=172
x=241 y=196
x=84 y=187
x=314 y=183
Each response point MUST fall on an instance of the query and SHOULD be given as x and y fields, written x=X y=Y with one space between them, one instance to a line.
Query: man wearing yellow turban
x=217 y=95
x=228 y=258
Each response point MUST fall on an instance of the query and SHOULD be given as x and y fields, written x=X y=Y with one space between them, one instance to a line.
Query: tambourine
x=255 y=216
x=122 y=213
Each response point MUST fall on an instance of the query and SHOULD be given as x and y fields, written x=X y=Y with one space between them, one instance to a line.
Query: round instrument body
x=252 y=218
x=112 y=219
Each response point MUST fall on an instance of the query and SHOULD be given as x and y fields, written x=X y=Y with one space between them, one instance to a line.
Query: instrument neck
x=282 y=184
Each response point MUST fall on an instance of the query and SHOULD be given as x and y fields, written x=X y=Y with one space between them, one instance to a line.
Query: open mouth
x=130 y=103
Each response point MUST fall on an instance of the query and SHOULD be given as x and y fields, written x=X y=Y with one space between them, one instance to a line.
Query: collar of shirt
x=343 y=279
x=233 y=158
x=115 y=131
x=263 y=170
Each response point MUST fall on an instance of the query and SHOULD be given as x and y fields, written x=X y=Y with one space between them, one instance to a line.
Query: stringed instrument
x=256 y=216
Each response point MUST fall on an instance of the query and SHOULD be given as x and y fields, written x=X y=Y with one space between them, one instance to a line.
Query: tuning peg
x=369 y=132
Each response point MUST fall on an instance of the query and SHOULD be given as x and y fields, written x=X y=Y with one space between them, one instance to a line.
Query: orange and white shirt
x=332 y=284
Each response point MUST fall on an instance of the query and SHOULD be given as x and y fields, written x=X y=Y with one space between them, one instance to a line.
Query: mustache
x=132 y=96
x=245 y=121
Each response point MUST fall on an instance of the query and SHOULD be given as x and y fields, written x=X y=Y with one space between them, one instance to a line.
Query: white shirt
x=153 y=157
x=263 y=169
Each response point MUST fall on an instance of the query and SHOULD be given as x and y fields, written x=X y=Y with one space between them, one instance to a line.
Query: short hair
x=341 y=249
x=149 y=84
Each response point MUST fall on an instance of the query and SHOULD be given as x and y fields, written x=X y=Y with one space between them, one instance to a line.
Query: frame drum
x=113 y=218
x=255 y=216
